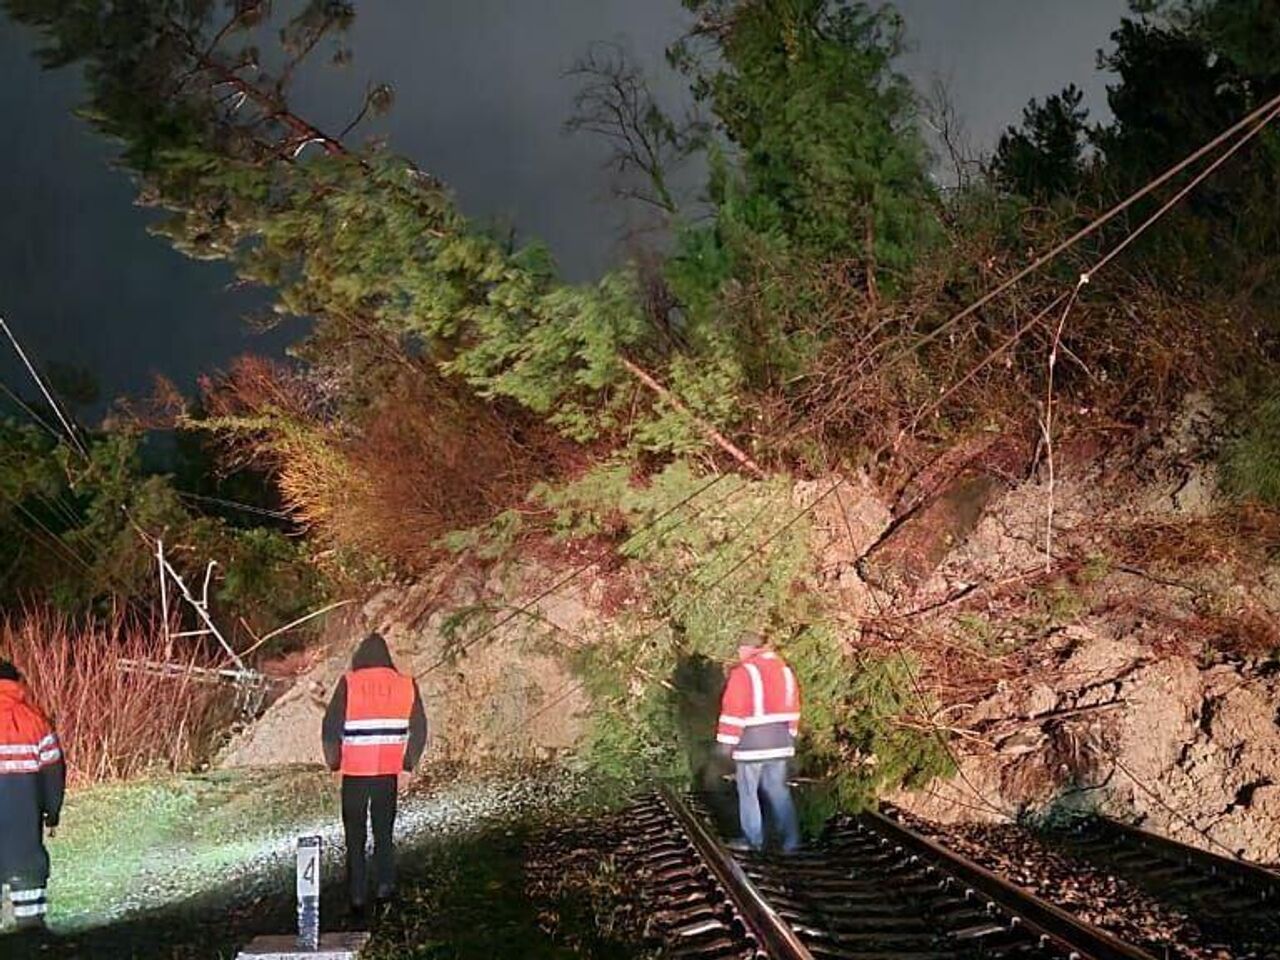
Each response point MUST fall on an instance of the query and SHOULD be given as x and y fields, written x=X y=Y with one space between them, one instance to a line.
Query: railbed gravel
x=1092 y=894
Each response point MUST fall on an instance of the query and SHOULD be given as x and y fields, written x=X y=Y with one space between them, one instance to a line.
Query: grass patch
x=126 y=845
x=190 y=868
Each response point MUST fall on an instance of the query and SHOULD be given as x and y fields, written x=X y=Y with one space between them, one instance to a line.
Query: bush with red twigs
x=116 y=722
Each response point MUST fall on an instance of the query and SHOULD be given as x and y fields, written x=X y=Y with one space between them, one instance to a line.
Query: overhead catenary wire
x=752 y=552
x=1164 y=208
x=723 y=549
x=1070 y=297
x=26 y=407
x=568 y=578
x=1255 y=123
x=184 y=494
x=236 y=505
x=53 y=537
x=974 y=307
x=60 y=549
x=1267 y=111
x=571 y=687
x=574 y=686
x=1259 y=119
x=56 y=543
x=1087 y=275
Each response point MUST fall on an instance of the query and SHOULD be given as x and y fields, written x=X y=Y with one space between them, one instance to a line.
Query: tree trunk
x=912 y=550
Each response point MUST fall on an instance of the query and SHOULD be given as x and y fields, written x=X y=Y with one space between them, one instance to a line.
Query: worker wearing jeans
x=767 y=778
x=759 y=721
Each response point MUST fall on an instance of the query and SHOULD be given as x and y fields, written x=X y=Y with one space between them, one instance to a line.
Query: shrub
x=1251 y=459
x=729 y=560
x=389 y=479
x=115 y=723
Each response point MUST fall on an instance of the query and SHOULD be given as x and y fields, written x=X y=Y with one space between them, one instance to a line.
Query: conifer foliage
x=811 y=318
x=832 y=161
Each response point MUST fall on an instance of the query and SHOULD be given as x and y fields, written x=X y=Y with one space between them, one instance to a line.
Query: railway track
x=871 y=889
x=1236 y=903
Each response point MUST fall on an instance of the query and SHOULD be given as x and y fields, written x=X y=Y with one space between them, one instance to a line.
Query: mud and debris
x=1130 y=657
x=488 y=649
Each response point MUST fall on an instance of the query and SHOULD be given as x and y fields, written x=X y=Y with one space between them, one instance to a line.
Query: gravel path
x=193 y=903
x=448 y=811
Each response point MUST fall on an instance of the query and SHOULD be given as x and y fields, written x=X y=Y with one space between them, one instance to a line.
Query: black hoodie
x=372 y=652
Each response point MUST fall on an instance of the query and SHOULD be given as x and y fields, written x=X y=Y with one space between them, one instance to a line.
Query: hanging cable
x=1263 y=113
x=570 y=576
x=26 y=407
x=72 y=434
x=236 y=505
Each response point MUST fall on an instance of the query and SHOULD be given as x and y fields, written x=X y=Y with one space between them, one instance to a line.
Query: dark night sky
x=481 y=98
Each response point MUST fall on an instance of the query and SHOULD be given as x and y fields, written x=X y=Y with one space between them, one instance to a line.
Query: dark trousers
x=28 y=902
x=26 y=884
x=365 y=799
x=24 y=862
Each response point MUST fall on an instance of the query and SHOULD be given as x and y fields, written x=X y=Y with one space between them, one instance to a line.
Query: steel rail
x=773 y=934
x=1254 y=875
x=1077 y=938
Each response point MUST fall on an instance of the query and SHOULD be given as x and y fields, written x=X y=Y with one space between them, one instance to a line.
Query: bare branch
x=614 y=102
x=941 y=116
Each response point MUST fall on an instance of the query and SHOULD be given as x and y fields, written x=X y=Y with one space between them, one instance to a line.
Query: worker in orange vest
x=32 y=780
x=374 y=732
x=759 y=720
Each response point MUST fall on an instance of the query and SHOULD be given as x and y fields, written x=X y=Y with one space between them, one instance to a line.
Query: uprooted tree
x=810 y=322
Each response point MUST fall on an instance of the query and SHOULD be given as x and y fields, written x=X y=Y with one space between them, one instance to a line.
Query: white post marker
x=308 y=943
x=308 y=893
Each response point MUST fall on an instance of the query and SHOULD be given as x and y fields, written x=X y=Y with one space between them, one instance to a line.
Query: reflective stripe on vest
x=376 y=728
x=760 y=709
x=27 y=742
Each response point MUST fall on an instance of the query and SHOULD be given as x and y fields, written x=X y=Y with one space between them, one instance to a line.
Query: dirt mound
x=494 y=680
x=1132 y=672
x=1135 y=673
x=1191 y=752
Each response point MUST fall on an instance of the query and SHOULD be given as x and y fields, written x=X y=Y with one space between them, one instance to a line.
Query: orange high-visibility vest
x=28 y=743
x=376 y=731
x=760 y=709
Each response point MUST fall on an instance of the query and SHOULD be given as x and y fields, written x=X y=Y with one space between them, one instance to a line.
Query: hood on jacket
x=372 y=652
x=13 y=690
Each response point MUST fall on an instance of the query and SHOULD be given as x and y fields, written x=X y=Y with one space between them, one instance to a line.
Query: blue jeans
x=768 y=777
